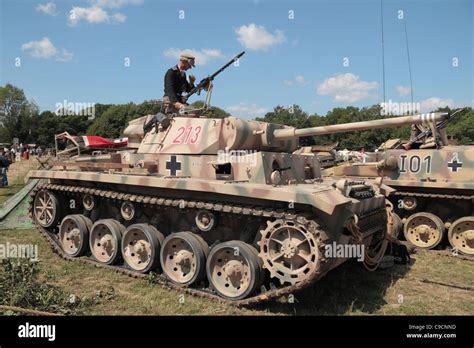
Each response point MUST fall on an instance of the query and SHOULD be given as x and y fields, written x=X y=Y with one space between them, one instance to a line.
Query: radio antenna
x=409 y=62
x=383 y=51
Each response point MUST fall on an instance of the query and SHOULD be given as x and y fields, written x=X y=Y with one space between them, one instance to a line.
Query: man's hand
x=192 y=78
x=178 y=105
x=208 y=83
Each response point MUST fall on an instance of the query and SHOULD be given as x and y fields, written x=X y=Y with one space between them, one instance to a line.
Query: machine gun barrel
x=429 y=132
x=290 y=133
x=202 y=84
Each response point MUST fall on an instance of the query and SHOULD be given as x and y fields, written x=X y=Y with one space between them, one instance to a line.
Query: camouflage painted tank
x=221 y=207
x=434 y=188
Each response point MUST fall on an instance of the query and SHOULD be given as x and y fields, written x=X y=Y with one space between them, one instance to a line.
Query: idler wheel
x=46 y=209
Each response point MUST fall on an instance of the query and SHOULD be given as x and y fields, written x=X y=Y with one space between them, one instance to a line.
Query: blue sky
x=295 y=60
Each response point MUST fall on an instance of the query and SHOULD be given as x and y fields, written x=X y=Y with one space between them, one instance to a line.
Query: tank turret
x=207 y=136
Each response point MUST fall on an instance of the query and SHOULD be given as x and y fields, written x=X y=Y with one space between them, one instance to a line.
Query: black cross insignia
x=173 y=165
x=454 y=165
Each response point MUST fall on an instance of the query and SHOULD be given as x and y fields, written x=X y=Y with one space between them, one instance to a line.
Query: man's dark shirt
x=4 y=162
x=176 y=84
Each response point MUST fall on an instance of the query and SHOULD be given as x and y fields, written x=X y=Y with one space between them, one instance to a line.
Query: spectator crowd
x=14 y=153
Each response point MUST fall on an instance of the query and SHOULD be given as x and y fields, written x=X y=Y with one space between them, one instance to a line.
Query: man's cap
x=187 y=57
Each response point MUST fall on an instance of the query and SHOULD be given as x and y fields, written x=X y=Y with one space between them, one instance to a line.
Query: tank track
x=433 y=195
x=263 y=295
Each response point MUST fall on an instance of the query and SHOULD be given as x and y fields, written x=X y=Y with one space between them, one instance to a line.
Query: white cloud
x=49 y=8
x=114 y=3
x=119 y=17
x=97 y=12
x=403 y=90
x=203 y=56
x=433 y=103
x=347 y=88
x=256 y=37
x=298 y=80
x=64 y=56
x=89 y=14
x=94 y=15
x=45 y=49
x=40 y=49
x=246 y=110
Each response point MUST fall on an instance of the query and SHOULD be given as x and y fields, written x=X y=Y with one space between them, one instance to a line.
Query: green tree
x=369 y=140
x=99 y=109
x=45 y=125
x=15 y=113
x=462 y=127
x=292 y=116
x=115 y=119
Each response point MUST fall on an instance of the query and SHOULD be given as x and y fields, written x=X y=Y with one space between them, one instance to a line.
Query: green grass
x=9 y=191
x=347 y=290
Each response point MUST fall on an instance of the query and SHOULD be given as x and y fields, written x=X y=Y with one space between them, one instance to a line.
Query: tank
x=224 y=208
x=433 y=188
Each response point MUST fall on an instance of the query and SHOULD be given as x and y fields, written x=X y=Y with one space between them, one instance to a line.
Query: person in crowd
x=13 y=154
x=4 y=164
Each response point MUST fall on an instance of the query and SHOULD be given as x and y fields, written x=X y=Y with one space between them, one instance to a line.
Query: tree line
x=20 y=118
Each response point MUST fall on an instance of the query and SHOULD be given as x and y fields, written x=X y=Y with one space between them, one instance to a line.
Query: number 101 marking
x=414 y=164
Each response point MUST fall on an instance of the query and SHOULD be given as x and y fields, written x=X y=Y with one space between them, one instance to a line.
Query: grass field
x=9 y=191
x=347 y=290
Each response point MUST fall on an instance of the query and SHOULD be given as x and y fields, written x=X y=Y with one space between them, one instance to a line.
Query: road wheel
x=74 y=235
x=461 y=235
x=183 y=258
x=234 y=269
x=424 y=230
x=141 y=247
x=105 y=240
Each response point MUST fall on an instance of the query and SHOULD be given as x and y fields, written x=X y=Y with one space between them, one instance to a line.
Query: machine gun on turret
x=206 y=83
x=440 y=126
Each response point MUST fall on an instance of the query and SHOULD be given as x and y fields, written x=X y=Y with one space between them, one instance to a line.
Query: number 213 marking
x=189 y=135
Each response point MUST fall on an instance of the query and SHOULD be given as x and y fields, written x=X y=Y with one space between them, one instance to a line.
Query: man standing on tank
x=176 y=83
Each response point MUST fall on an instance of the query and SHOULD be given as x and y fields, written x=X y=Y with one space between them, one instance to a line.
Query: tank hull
x=425 y=181
x=245 y=212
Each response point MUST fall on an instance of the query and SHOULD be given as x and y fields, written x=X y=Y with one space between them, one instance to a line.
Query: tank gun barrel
x=290 y=133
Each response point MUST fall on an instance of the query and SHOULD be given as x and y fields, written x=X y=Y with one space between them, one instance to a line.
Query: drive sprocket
x=291 y=249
